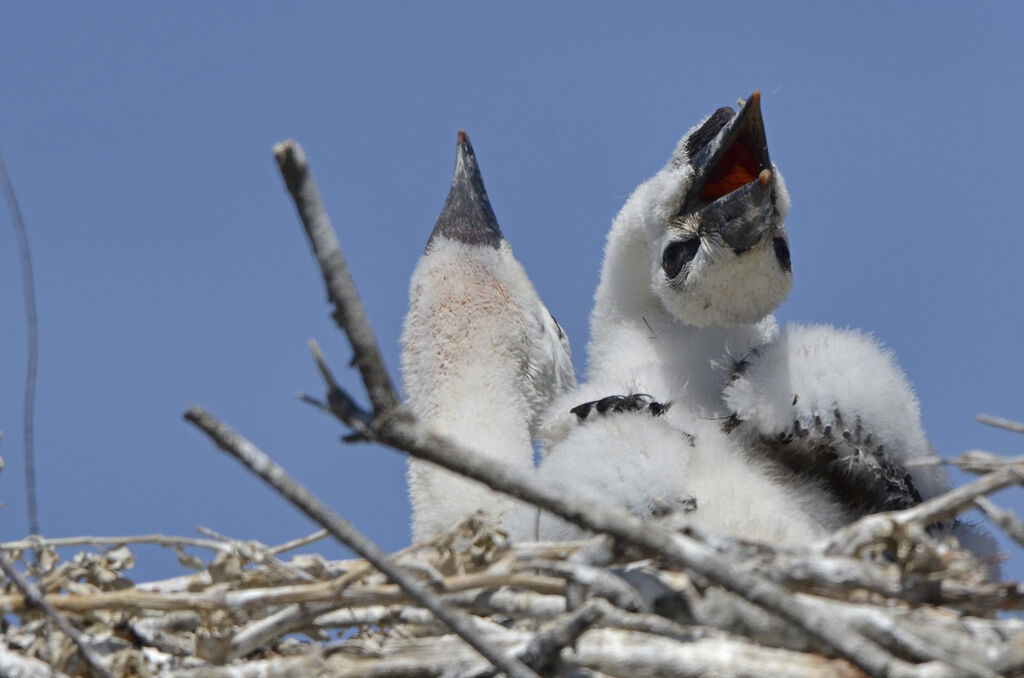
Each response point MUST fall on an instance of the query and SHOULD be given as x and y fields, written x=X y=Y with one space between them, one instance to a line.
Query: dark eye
x=677 y=255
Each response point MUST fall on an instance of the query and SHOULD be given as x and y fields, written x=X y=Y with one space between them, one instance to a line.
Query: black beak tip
x=467 y=215
x=751 y=126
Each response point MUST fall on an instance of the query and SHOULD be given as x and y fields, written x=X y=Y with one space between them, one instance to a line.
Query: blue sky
x=171 y=269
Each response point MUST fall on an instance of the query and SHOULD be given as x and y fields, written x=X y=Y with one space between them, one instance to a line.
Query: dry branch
x=275 y=476
x=156 y=539
x=630 y=653
x=1010 y=523
x=1014 y=426
x=298 y=543
x=32 y=358
x=348 y=310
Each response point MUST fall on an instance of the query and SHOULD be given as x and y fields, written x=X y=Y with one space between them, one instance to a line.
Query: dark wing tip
x=467 y=215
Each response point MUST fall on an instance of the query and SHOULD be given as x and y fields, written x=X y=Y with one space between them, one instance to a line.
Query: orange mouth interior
x=737 y=168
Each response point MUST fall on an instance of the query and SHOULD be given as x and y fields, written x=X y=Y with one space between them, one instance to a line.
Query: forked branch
x=271 y=473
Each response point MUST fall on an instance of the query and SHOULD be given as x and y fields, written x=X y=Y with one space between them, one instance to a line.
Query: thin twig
x=215 y=535
x=275 y=476
x=542 y=651
x=839 y=576
x=295 y=617
x=32 y=359
x=612 y=652
x=288 y=619
x=253 y=550
x=157 y=539
x=298 y=543
x=33 y=597
x=255 y=598
x=889 y=632
x=980 y=461
x=1004 y=519
x=348 y=311
x=338 y=401
x=1013 y=426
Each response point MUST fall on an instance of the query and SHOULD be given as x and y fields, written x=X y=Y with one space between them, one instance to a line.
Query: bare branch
x=283 y=667
x=839 y=576
x=605 y=652
x=287 y=620
x=980 y=461
x=341 y=290
x=1004 y=519
x=157 y=539
x=255 y=598
x=600 y=582
x=298 y=543
x=540 y=654
x=33 y=598
x=901 y=636
x=629 y=653
x=1015 y=427
x=296 y=617
x=275 y=476
x=32 y=359
x=339 y=402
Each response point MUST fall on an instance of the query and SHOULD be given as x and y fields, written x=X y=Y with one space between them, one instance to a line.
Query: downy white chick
x=768 y=435
x=481 y=355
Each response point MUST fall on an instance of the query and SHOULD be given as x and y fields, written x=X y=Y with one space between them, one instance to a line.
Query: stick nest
x=585 y=608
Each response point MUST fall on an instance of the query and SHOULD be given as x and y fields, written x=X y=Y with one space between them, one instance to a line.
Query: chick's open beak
x=731 y=192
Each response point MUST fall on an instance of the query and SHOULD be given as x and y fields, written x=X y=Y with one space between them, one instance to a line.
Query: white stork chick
x=767 y=435
x=481 y=355
x=695 y=263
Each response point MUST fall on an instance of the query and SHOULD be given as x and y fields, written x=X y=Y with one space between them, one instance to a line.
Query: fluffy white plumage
x=820 y=378
x=672 y=336
x=651 y=467
x=481 y=355
x=683 y=313
x=676 y=339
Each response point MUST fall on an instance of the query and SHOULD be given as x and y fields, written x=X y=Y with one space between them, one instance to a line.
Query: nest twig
x=591 y=605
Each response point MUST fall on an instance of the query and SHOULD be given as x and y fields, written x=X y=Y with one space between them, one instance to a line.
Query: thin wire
x=29 y=288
